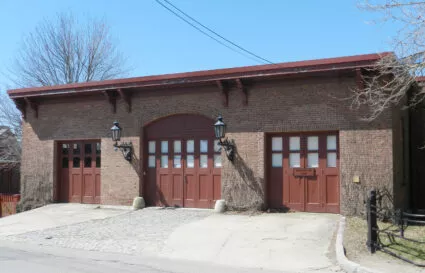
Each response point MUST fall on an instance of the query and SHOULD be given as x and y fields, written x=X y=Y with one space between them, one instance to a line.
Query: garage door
x=79 y=171
x=303 y=171
x=182 y=162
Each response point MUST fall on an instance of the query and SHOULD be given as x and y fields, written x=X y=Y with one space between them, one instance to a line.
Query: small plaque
x=356 y=179
x=304 y=172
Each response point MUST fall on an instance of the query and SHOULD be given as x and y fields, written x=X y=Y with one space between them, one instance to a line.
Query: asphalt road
x=21 y=258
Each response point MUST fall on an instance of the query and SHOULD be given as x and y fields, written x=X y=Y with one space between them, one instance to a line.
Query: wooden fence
x=8 y=204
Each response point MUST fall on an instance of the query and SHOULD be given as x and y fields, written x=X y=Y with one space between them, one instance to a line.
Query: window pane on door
x=76 y=162
x=331 y=160
x=76 y=149
x=331 y=142
x=313 y=143
x=217 y=147
x=313 y=160
x=65 y=149
x=151 y=147
x=276 y=144
x=190 y=146
x=164 y=161
x=177 y=161
x=203 y=161
x=277 y=160
x=204 y=146
x=87 y=162
x=294 y=143
x=217 y=161
x=177 y=146
x=98 y=148
x=87 y=148
x=65 y=162
x=152 y=161
x=164 y=146
x=98 y=162
x=294 y=160
x=190 y=161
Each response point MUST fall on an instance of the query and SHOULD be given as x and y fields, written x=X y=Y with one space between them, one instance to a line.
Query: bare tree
x=390 y=81
x=10 y=134
x=58 y=52
x=10 y=115
x=66 y=51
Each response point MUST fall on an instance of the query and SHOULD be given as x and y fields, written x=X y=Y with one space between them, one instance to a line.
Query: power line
x=212 y=37
x=209 y=29
x=251 y=54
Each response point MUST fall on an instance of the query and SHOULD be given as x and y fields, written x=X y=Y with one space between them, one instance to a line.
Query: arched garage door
x=182 y=162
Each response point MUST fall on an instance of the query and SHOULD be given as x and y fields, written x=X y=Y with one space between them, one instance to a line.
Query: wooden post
x=372 y=225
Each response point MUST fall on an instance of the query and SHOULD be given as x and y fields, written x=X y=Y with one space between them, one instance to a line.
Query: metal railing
x=400 y=219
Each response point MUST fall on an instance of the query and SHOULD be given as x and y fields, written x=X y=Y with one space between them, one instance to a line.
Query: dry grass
x=407 y=249
x=355 y=237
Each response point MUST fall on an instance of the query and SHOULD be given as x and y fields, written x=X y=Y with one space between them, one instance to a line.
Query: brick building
x=297 y=142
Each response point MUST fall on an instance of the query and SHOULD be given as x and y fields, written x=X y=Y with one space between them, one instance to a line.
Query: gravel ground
x=142 y=232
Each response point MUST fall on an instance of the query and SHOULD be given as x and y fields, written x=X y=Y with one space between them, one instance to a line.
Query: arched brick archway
x=182 y=163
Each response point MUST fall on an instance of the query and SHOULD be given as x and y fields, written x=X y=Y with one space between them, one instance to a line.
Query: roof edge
x=203 y=75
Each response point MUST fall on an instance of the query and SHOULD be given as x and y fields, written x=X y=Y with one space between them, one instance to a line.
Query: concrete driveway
x=292 y=242
x=55 y=215
x=297 y=242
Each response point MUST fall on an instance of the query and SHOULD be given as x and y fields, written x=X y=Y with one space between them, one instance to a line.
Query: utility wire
x=212 y=37
x=251 y=54
x=209 y=29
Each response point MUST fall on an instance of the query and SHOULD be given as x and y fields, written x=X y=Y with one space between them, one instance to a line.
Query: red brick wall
x=367 y=154
x=37 y=169
x=286 y=106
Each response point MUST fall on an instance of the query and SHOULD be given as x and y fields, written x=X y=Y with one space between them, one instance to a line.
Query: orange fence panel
x=8 y=204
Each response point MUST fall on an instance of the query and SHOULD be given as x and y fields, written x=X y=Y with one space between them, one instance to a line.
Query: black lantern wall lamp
x=220 y=133
x=125 y=147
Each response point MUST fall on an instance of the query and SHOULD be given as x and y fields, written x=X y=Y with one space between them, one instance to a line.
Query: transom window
x=304 y=151
x=82 y=154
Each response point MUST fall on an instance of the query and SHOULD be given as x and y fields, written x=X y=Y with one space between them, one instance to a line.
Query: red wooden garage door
x=79 y=171
x=303 y=171
x=182 y=162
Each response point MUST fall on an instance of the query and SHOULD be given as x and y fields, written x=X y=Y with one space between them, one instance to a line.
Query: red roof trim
x=208 y=75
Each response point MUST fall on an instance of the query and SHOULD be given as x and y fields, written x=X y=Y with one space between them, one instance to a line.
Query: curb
x=115 y=207
x=343 y=261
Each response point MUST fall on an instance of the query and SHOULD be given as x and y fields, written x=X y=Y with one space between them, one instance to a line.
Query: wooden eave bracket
x=33 y=105
x=112 y=99
x=224 y=89
x=126 y=96
x=240 y=85
x=359 y=79
x=22 y=107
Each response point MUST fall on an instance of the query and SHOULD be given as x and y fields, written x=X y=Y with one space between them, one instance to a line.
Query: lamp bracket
x=126 y=149
x=229 y=148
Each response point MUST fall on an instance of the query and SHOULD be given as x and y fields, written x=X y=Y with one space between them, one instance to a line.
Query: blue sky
x=157 y=42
